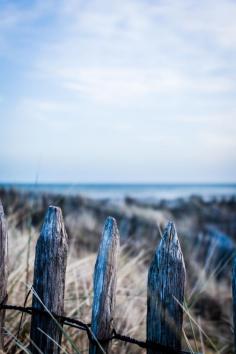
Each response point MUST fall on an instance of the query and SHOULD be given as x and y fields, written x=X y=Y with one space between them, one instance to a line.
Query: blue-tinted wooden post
x=234 y=299
x=3 y=271
x=105 y=275
x=166 y=281
x=49 y=282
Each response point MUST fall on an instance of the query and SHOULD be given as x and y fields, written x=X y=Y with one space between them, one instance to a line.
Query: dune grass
x=201 y=331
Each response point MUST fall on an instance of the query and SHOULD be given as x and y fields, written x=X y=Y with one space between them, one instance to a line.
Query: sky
x=118 y=91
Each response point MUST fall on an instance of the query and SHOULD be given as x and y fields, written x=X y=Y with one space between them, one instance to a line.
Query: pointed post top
x=110 y=226
x=53 y=225
x=51 y=213
x=170 y=243
x=170 y=232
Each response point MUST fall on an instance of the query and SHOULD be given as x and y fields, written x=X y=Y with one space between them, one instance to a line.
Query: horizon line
x=109 y=183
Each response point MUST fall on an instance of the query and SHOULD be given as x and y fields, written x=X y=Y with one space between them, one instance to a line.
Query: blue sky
x=118 y=91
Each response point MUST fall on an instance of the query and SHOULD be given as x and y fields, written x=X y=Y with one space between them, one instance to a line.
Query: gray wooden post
x=3 y=271
x=234 y=299
x=105 y=285
x=49 y=282
x=166 y=281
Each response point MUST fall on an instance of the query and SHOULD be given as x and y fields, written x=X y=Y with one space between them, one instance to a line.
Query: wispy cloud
x=143 y=48
x=121 y=85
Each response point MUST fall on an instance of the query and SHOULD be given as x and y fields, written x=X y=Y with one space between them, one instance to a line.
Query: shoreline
x=146 y=193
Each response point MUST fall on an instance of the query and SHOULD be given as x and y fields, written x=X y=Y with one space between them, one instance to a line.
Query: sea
x=145 y=191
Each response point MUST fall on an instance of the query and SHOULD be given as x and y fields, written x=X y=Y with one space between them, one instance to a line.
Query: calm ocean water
x=140 y=191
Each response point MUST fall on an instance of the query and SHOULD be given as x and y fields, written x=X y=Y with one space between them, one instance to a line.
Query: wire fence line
x=80 y=325
x=165 y=293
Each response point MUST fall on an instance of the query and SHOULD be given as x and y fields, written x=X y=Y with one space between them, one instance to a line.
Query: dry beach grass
x=208 y=314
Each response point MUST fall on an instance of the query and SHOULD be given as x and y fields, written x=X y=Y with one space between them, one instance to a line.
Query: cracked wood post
x=166 y=282
x=104 y=283
x=234 y=299
x=49 y=282
x=3 y=271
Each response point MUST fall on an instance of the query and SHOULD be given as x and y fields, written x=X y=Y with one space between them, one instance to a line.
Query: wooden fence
x=165 y=288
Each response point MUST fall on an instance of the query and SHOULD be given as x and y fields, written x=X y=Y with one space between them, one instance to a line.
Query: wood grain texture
x=234 y=299
x=3 y=270
x=105 y=276
x=49 y=281
x=166 y=282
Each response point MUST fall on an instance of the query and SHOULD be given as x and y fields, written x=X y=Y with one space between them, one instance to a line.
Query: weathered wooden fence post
x=234 y=299
x=166 y=281
x=49 y=282
x=3 y=271
x=105 y=275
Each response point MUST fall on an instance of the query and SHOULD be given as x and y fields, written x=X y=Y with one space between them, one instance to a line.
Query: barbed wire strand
x=72 y=322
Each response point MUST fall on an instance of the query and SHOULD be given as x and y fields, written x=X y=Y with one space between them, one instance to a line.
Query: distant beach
x=146 y=192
